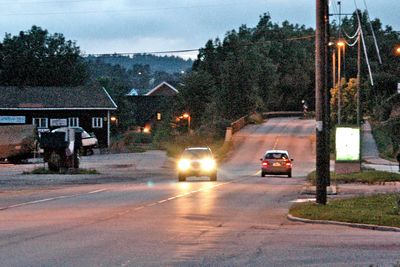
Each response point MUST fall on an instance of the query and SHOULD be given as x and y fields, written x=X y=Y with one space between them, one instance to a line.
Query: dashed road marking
x=51 y=199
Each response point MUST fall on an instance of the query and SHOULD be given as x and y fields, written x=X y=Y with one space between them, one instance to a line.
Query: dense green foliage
x=271 y=67
x=385 y=75
x=37 y=58
x=265 y=68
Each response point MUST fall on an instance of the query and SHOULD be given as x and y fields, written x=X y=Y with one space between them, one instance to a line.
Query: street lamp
x=397 y=51
x=188 y=118
x=341 y=45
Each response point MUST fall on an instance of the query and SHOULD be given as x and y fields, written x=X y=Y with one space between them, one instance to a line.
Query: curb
x=354 y=225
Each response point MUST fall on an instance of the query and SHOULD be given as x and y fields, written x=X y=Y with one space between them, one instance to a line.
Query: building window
x=97 y=122
x=73 y=122
x=40 y=122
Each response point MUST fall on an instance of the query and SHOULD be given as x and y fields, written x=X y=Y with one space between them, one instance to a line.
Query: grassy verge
x=366 y=177
x=378 y=210
x=42 y=170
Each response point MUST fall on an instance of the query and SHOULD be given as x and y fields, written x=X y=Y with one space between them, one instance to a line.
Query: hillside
x=169 y=64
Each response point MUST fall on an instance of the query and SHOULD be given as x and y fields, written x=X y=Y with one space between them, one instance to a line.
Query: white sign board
x=347 y=144
x=398 y=88
x=58 y=122
x=12 y=119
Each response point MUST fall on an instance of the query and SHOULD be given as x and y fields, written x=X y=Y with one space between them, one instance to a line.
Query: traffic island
x=377 y=212
x=43 y=170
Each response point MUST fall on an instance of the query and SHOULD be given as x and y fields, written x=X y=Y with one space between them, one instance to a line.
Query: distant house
x=149 y=108
x=133 y=92
x=51 y=107
x=163 y=89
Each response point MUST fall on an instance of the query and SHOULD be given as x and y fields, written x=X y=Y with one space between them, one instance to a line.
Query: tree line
x=252 y=69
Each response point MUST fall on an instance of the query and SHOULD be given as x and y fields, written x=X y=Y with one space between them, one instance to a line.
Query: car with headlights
x=197 y=161
x=89 y=141
x=276 y=162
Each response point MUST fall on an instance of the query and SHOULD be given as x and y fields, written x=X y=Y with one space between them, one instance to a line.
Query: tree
x=37 y=58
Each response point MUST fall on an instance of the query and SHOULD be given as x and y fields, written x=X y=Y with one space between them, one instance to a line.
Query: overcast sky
x=130 y=26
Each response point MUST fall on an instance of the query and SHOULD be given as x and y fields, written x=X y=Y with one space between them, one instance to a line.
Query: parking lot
x=111 y=168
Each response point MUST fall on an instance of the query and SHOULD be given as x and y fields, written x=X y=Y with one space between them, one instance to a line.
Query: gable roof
x=133 y=92
x=55 y=98
x=161 y=85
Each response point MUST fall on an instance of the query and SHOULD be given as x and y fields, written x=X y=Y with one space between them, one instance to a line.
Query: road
x=240 y=220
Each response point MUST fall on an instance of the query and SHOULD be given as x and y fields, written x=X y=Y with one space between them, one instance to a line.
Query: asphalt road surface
x=240 y=220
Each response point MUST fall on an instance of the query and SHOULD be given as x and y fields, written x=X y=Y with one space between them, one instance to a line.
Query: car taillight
x=265 y=164
x=288 y=163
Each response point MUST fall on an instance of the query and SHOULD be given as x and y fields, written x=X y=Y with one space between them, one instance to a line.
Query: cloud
x=103 y=26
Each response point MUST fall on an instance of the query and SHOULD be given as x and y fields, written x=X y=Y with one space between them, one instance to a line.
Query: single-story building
x=51 y=107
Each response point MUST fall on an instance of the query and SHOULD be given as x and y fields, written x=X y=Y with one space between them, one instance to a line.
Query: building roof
x=55 y=98
x=133 y=92
x=155 y=90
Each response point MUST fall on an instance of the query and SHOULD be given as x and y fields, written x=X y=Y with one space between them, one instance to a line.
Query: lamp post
x=340 y=45
x=188 y=118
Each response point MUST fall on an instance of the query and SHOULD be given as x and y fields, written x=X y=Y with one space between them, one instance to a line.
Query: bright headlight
x=208 y=164
x=183 y=164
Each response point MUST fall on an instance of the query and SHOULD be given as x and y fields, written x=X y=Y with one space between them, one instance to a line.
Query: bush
x=131 y=137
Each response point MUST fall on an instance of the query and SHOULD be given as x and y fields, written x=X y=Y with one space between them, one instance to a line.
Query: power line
x=126 y=10
x=190 y=50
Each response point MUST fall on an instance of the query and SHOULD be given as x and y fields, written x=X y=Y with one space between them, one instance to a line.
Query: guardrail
x=243 y=121
x=239 y=124
x=274 y=114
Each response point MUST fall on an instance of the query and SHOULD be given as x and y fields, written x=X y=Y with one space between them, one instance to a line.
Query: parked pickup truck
x=17 y=142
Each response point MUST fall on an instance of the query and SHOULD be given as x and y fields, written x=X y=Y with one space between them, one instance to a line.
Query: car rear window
x=276 y=156
x=196 y=153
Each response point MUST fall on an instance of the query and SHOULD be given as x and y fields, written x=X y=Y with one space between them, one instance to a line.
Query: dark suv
x=197 y=161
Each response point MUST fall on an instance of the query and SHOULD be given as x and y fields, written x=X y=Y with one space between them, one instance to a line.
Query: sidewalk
x=370 y=154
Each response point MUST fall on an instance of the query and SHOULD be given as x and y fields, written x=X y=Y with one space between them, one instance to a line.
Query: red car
x=276 y=162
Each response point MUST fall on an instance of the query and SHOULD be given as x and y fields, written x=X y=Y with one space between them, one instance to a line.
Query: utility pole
x=327 y=96
x=358 y=79
x=320 y=93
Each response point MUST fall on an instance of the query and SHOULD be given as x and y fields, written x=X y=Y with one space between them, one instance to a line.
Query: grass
x=366 y=177
x=43 y=170
x=379 y=209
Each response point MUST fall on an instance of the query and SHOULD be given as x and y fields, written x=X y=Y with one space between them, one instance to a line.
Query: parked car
x=197 y=161
x=17 y=142
x=276 y=162
x=88 y=141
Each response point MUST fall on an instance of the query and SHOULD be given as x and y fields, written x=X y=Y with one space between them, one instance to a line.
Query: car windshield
x=196 y=153
x=276 y=156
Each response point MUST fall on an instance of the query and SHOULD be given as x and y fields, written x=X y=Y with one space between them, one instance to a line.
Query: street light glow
x=340 y=44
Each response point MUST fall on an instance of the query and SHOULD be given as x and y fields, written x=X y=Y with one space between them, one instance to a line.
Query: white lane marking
x=51 y=199
x=257 y=173
x=97 y=191
x=276 y=142
x=181 y=195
